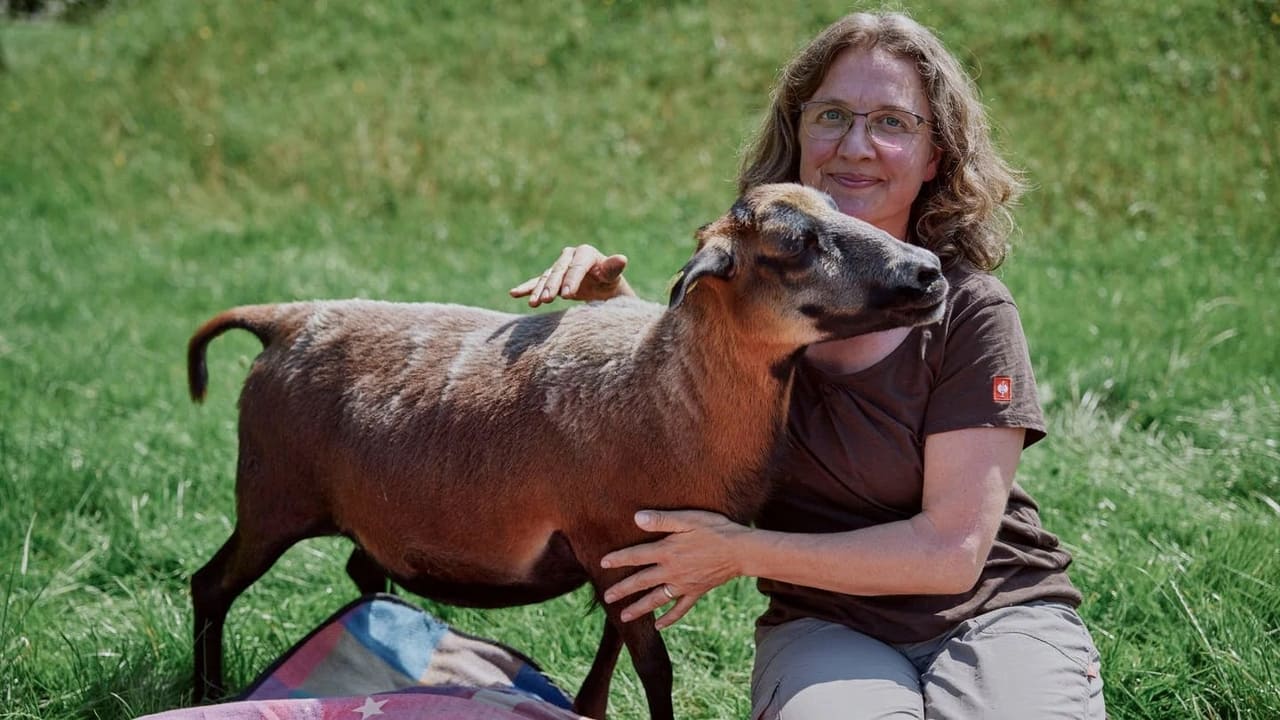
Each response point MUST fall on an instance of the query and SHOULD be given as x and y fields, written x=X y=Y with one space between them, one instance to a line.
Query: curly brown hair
x=964 y=212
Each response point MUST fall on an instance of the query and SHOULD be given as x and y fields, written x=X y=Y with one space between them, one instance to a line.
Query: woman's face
x=868 y=180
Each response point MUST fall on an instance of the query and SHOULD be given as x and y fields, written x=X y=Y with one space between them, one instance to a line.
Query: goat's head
x=794 y=266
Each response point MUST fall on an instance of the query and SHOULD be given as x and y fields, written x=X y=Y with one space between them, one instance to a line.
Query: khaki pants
x=1023 y=662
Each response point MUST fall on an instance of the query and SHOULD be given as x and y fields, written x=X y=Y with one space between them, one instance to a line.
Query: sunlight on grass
x=162 y=161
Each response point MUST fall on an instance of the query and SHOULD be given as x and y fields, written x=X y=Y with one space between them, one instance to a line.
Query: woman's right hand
x=581 y=273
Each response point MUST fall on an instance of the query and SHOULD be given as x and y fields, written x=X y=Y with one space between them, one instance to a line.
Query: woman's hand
x=697 y=555
x=581 y=273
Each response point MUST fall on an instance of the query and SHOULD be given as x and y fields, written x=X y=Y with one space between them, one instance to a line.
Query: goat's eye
x=793 y=245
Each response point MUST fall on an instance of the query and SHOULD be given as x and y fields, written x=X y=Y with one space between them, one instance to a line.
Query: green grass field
x=160 y=161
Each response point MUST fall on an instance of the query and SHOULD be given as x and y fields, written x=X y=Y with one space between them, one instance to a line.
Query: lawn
x=160 y=161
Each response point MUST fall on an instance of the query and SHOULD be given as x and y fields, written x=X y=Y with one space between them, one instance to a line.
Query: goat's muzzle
x=915 y=288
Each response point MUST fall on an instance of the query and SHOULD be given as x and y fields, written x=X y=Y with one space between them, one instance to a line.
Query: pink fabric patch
x=452 y=704
x=295 y=672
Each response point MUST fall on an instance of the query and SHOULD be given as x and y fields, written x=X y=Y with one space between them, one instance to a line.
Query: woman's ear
x=931 y=167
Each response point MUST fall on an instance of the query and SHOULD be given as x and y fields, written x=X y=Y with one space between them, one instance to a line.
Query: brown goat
x=487 y=459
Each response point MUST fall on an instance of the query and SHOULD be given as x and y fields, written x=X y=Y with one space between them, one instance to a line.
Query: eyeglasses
x=888 y=127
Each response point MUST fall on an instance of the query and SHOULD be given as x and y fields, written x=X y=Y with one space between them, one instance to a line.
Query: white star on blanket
x=370 y=708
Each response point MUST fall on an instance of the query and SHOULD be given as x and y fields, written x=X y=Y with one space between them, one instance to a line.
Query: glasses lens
x=826 y=122
x=892 y=128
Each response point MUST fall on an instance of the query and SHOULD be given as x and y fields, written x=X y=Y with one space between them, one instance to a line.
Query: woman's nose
x=856 y=143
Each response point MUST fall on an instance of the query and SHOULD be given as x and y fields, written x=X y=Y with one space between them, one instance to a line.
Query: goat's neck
x=730 y=385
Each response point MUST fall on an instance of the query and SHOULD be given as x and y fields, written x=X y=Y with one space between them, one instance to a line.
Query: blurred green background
x=160 y=161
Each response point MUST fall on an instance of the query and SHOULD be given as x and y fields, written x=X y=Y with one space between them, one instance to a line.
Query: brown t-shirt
x=857 y=459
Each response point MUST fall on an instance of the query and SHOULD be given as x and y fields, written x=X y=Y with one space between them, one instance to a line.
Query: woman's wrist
x=751 y=552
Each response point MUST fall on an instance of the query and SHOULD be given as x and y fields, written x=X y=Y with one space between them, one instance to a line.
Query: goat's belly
x=485 y=570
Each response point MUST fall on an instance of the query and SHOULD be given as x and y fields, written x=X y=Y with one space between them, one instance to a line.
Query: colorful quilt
x=382 y=657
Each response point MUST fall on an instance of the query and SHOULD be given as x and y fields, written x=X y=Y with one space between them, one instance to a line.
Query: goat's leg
x=652 y=663
x=367 y=574
x=213 y=588
x=648 y=651
x=593 y=696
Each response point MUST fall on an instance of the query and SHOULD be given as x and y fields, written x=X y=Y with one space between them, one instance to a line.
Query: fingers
x=692 y=557
x=636 y=582
x=524 y=288
x=683 y=605
x=547 y=286
x=565 y=277
x=670 y=521
x=653 y=593
x=541 y=289
x=587 y=262
x=643 y=554
x=555 y=276
x=648 y=603
x=655 y=599
x=665 y=521
x=606 y=271
x=587 y=265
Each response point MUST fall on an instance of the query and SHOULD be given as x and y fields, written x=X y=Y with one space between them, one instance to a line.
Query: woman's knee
x=813 y=670
x=1025 y=662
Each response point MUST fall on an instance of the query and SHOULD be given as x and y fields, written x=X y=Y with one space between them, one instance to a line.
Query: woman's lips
x=853 y=181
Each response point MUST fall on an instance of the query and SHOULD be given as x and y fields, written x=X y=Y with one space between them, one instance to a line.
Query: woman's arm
x=580 y=273
x=941 y=550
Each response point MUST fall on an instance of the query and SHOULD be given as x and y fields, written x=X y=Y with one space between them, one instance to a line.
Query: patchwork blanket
x=382 y=657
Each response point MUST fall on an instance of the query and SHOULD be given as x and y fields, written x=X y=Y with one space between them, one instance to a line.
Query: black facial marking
x=842 y=325
x=786 y=264
x=790 y=272
x=782 y=370
x=894 y=297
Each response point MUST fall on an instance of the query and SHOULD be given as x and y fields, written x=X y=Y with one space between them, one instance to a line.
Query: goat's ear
x=712 y=259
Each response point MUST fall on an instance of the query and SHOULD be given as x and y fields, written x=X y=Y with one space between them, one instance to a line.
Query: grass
x=159 y=161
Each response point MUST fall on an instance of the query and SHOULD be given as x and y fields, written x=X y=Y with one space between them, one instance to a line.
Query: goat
x=486 y=459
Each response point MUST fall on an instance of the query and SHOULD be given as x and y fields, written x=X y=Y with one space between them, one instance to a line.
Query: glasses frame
x=866 y=126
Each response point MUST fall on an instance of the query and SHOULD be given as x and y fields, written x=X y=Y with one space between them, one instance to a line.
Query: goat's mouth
x=836 y=325
x=930 y=306
x=929 y=313
x=925 y=312
x=885 y=309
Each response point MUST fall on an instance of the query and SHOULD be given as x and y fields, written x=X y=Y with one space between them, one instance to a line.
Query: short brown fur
x=488 y=459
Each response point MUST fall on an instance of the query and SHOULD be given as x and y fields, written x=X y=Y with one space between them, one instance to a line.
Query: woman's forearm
x=907 y=557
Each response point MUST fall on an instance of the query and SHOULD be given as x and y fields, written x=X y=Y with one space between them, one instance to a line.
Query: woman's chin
x=870 y=213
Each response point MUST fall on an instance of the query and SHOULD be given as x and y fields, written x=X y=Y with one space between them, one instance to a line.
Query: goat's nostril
x=927 y=275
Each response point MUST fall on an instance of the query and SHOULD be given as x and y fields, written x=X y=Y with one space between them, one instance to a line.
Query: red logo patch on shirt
x=1002 y=388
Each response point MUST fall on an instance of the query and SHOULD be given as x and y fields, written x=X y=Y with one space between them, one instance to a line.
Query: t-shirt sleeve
x=985 y=379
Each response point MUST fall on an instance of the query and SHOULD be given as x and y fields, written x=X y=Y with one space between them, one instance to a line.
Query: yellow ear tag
x=671 y=283
x=675 y=279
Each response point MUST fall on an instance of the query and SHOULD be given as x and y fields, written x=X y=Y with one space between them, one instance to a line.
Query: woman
x=907 y=574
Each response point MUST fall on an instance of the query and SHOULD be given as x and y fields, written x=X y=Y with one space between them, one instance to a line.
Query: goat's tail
x=261 y=320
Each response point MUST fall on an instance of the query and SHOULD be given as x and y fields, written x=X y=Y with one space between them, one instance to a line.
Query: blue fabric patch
x=531 y=681
x=403 y=637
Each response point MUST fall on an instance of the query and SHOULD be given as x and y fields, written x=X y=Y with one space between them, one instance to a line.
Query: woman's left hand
x=697 y=555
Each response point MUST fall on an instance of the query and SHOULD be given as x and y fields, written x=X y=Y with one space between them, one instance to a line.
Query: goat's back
x=472 y=394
